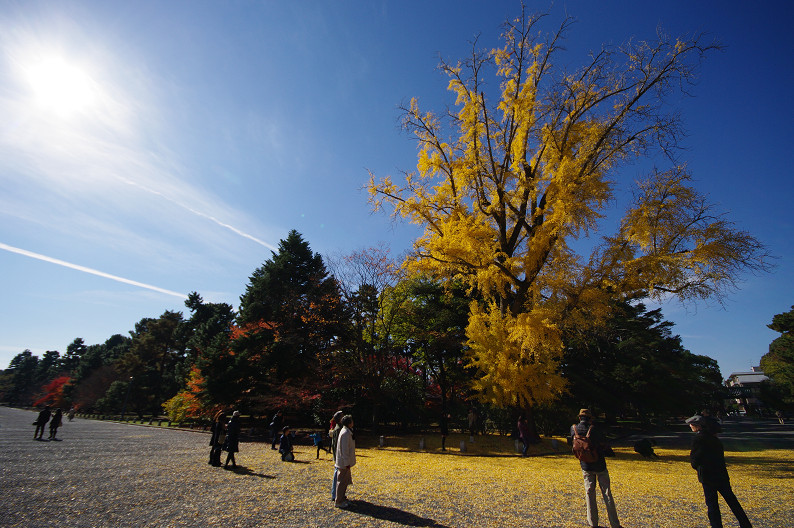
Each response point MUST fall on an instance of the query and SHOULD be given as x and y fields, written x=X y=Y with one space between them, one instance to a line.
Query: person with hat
x=595 y=471
x=708 y=458
x=336 y=428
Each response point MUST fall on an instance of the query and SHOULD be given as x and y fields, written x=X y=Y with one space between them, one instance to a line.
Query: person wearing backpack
x=589 y=446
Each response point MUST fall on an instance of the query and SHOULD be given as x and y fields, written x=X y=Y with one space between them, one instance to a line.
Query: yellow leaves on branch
x=517 y=357
x=678 y=244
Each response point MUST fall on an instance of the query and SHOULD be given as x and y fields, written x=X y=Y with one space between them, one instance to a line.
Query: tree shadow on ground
x=242 y=470
x=771 y=468
x=391 y=514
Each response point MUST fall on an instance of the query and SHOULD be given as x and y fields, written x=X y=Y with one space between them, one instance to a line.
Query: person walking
x=55 y=423
x=336 y=427
x=317 y=440
x=217 y=438
x=708 y=458
x=41 y=421
x=345 y=460
x=594 y=468
x=275 y=427
x=523 y=434
x=232 y=443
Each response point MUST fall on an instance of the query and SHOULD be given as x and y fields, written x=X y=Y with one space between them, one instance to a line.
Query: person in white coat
x=345 y=460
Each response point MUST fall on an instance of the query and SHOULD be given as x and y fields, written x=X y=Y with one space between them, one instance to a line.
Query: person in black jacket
x=218 y=438
x=55 y=423
x=275 y=427
x=232 y=443
x=708 y=458
x=595 y=471
x=41 y=421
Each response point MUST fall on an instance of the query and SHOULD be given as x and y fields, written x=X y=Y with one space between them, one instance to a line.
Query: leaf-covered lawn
x=490 y=486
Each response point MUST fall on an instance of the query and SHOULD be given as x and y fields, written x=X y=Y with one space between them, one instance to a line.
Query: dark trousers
x=215 y=456
x=713 y=505
x=39 y=431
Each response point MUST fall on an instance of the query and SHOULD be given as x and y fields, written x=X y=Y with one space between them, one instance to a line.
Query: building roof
x=748 y=377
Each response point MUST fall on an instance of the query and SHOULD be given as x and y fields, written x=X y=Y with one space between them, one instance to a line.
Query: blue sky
x=150 y=149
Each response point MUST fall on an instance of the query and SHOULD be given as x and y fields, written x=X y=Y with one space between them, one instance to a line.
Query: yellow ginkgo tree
x=511 y=191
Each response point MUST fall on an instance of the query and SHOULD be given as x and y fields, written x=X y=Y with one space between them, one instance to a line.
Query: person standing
x=595 y=469
x=473 y=418
x=345 y=460
x=232 y=444
x=444 y=430
x=336 y=427
x=708 y=458
x=55 y=423
x=41 y=421
x=523 y=434
x=218 y=437
x=275 y=427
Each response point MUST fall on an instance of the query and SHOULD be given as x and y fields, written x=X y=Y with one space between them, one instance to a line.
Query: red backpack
x=583 y=447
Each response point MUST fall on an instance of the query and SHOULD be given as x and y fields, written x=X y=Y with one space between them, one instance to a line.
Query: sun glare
x=60 y=87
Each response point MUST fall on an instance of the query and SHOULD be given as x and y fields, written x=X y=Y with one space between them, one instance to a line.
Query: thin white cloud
x=84 y=269
x=202 y=214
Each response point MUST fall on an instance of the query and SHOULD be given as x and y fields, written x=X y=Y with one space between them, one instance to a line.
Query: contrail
x=77 y=267
x=199 y=213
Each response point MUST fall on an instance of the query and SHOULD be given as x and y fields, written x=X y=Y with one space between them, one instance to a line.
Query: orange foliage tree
x=53 y=392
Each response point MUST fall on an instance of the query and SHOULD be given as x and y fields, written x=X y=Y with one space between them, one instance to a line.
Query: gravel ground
x=104 y=474
x=109 y=474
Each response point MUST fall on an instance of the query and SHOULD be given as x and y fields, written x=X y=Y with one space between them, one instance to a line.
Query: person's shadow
x=391 y=514
x=242 y=470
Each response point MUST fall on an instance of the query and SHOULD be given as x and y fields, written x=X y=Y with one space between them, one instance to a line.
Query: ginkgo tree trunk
x=510 y=186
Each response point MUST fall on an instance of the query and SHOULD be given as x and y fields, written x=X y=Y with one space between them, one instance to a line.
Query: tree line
x=388 y=346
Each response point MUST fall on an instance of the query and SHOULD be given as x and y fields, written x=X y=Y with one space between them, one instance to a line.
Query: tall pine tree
x=289 y=321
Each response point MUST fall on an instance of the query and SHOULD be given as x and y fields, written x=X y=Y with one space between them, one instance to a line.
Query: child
x=317 y=438
x=285 y=445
